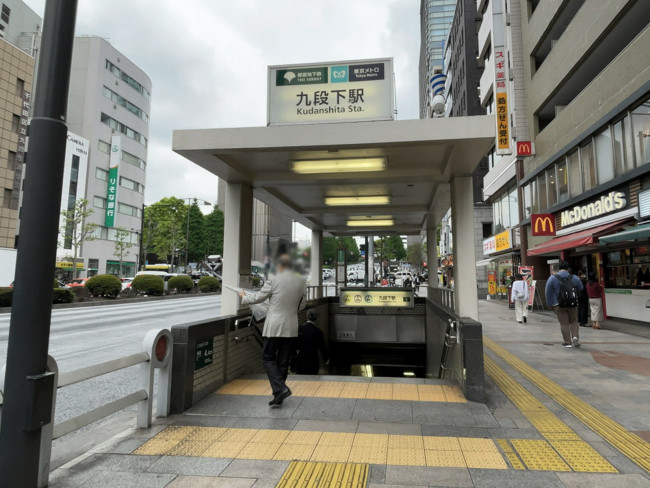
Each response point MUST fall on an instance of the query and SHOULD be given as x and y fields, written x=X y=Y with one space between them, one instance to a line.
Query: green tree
x=390 y=248
x=332 y=244
x=77 y=230
x=123 y=245
x=214 y=232
x=197 y=245
x=170 y=214
x=149 y=230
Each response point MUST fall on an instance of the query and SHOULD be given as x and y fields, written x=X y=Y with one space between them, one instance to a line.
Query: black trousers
x=275 y=357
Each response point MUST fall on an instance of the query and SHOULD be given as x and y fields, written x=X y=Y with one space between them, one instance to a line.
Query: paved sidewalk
x=412 y=432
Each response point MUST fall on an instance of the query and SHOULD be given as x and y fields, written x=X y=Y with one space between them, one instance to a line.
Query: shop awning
x=636 y=233
x=483 y=262
x=576 y=239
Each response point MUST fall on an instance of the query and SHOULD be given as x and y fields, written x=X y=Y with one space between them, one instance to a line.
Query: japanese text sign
x=501 y=101
x=111 y=194
x=331 y=92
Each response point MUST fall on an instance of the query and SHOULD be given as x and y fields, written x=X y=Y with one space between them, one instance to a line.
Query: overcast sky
x=207 y=60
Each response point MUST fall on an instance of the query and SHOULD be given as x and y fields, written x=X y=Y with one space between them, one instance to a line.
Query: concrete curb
x=117 y=301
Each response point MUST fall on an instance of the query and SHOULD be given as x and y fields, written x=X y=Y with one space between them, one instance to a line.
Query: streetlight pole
x=28 y=385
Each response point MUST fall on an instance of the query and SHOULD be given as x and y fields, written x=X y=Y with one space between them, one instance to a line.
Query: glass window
x=562 y=182
x=551 y=186
x=541 y=192
x=534 y=197
x=575 y=174
x=496 y=216
x=641 y=133
x=604 y=156
x=528 y=200
x=104 y=147
x=619 y=149
x=514 y=206
x=101 y=174
x=120 y=127
x=588 y=166
x=99 y=202
x=127 y=79
x=505 y=211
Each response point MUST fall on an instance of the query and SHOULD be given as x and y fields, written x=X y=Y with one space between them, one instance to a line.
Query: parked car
x=400 y=276
x=126 y=283
x=77 y=283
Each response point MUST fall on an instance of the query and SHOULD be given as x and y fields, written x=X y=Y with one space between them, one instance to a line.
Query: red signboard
x=524 y=148
x=542 y=224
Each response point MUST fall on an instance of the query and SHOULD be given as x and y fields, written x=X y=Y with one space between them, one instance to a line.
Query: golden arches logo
x=543 y=225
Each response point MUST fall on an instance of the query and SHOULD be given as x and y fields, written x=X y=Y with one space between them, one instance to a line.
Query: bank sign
x=111 y=192
x=611 y=202
x=347 y=91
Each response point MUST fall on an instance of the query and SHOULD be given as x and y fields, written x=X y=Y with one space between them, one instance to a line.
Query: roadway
x=89 y=335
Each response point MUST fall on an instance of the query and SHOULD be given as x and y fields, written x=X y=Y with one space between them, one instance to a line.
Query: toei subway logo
x=543 y=224
x=614 y=200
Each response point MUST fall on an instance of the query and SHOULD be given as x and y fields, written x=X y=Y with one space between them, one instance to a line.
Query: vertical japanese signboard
x=501 y=100
x=20 y=151
x=111 y=194
x=347 y=91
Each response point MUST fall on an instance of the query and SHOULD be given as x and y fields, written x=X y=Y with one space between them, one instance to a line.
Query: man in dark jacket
x=310 y=341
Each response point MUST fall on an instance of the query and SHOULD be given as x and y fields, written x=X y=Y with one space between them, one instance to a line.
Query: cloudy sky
x=207 y=60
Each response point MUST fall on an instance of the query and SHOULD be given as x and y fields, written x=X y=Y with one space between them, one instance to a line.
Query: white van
x=163 y=274
x=400 y=276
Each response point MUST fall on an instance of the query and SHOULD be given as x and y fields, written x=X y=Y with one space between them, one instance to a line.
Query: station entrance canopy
x=323 y=175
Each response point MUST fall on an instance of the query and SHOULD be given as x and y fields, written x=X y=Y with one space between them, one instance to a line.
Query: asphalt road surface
x=81 y=337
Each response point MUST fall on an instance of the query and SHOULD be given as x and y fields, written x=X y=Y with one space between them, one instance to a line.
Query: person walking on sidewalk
x=562 y=291
x=583 y=301
x=595 y=293
x=520 y=298
x=286 y=294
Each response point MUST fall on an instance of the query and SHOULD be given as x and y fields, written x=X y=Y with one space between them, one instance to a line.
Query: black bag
x=568 y=295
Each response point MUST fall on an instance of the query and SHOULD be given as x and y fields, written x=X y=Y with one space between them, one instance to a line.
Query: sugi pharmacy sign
x=346 y=91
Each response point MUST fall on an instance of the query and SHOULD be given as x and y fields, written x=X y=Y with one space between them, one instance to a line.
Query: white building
x=110 y=96
x=19 y=25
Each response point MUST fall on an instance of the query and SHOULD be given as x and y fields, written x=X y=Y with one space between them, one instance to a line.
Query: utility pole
x=28 y=386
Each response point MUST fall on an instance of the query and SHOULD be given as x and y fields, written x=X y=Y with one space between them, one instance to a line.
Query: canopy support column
x=316 y=278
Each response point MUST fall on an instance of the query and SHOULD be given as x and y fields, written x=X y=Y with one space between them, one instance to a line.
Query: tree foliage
x=168 y=239
x=415 y=254
x=76 y=229
x=390 y=248
x=214 y=222
x=123 y=245
x=332 y=244
x=197 y=245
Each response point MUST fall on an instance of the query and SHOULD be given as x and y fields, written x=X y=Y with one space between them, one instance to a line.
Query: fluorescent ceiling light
x=357 y=222
x=352 y=165
x=348 y=201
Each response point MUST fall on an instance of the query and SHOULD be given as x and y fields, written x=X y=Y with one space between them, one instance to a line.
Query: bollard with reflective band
x=158 y=344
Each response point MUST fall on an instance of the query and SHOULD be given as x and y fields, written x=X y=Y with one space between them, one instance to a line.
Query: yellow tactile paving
x=511 y=454
x=342 y=389
x=539 y=454
x=331 y=447
x=631 y=445
x=324 y=475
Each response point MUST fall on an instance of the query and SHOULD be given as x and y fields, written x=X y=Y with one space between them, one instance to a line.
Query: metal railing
x=443 y=296
x=156 y=354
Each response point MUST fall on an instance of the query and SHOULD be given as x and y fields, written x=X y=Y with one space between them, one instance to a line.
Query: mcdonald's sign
x=524 y=148
x=542 y=224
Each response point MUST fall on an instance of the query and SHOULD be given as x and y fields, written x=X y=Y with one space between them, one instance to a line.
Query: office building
x=502 y=88
x=20 y=25
x=588 y=107
x=435 y=20
x=109 y=105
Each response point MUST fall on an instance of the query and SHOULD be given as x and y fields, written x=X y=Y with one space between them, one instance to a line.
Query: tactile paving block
x=303 y=437
x=238 y=435
x=222 y=449
x=189 y=448
x=324 y=475
x=156 y=447
x=270 y=436
x=511 y=454
x=336 y=439
x=354 y=390
x=256 y=450
x=406 y=457
x=431 y=393
x=370 y=455
x=561 y=436
x=405 y=442
x=174 y=432
x=477 y=445
x=582 y=457
x=331 y=454
x=441 y=443
x=454 y=394
x=206 y=434
x=539 y=455
x=484 y=460
x=445 y=459
x=294 y=452
x=370 y=440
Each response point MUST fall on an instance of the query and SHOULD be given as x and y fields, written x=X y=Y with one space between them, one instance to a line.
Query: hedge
x=148 y=284
x=56 y=283
x=63 y=295
x=181 y=283
x=6 y=296
x=209 y=283
x=104 y=285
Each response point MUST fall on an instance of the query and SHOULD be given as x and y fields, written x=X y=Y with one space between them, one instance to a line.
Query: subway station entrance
x=420 y=168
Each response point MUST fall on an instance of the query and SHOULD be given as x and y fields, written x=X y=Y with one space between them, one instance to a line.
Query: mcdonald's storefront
x=591 y=234
x=502 y=258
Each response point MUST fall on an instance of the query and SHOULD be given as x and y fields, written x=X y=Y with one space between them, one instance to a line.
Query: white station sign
x=346 y=91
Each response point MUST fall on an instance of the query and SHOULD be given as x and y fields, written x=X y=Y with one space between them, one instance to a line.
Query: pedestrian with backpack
x=562 y=294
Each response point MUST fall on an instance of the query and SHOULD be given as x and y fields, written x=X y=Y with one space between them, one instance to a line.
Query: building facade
x=502 y=88
x=435 y=20
x=109 y=105
x=588 y=105
x=20 y=25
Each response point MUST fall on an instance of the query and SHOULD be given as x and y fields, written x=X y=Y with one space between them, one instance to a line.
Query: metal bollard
x=158 y=344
